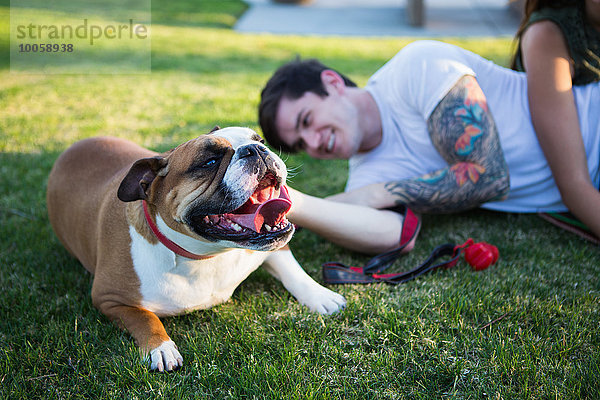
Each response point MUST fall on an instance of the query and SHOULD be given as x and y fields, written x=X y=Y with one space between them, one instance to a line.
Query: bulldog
x=166 y=234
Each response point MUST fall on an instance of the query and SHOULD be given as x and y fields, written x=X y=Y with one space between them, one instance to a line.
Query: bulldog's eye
x=209 y=163
x=202 y=165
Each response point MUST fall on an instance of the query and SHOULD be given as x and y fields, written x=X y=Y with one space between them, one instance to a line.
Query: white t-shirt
x=408 y=88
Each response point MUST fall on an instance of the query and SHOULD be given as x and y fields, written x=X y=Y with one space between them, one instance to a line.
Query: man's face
x=324 y=127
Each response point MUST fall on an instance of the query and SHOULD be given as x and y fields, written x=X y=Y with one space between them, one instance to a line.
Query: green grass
x=527 y=327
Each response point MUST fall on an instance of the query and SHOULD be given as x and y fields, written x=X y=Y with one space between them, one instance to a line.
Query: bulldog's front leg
x=283 y=266
x=148 y=332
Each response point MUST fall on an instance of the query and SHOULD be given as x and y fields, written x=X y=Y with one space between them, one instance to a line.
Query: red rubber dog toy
x=481 y=255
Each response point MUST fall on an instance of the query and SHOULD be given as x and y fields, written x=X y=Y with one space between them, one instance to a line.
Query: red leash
x=479 y=255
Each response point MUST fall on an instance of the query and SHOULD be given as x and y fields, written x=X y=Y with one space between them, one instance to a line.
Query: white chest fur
x=171 y=284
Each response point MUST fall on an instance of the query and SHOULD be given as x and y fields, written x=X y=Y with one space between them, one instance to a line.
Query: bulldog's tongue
x=271 y=212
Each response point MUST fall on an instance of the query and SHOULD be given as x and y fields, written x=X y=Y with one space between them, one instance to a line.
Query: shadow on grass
x=30 y=248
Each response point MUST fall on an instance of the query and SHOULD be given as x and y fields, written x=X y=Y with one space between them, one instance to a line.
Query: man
x=438 y=129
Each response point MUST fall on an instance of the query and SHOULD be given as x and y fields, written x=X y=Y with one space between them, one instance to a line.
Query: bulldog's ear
x=216 y=128
x=139 y=178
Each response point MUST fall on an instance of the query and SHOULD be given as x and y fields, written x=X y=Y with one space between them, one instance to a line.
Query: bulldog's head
x=225 y=188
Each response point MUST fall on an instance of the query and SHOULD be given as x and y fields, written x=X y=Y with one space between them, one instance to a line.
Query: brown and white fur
x=95 y=193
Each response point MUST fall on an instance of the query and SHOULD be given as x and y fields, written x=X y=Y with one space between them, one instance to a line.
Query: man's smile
x=331 y=142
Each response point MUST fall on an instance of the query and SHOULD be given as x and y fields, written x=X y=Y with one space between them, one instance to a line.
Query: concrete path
x=461 y=18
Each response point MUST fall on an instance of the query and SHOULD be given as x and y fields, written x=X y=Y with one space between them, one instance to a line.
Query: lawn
x=528 y=327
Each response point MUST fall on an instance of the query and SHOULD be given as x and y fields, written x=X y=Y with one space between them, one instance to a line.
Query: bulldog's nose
x=251 y=150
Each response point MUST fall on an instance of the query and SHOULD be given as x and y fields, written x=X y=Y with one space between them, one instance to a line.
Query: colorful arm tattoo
x=463 y=131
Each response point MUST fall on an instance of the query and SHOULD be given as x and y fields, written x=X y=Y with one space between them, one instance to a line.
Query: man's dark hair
x=291 y=81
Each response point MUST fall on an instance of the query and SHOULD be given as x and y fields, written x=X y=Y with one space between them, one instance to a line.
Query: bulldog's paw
x=322 y=300
x=165 y=357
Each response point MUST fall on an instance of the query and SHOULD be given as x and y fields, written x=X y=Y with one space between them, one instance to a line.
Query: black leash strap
x=335 y=273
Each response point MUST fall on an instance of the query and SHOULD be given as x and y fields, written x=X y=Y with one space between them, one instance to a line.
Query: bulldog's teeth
x=236 y=227
x=268 y=228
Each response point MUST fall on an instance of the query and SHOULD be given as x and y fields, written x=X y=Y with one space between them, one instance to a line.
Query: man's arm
x=360 y=228
x=463 y=131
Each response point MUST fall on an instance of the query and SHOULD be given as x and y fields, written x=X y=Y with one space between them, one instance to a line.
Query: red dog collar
x=169 y=244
